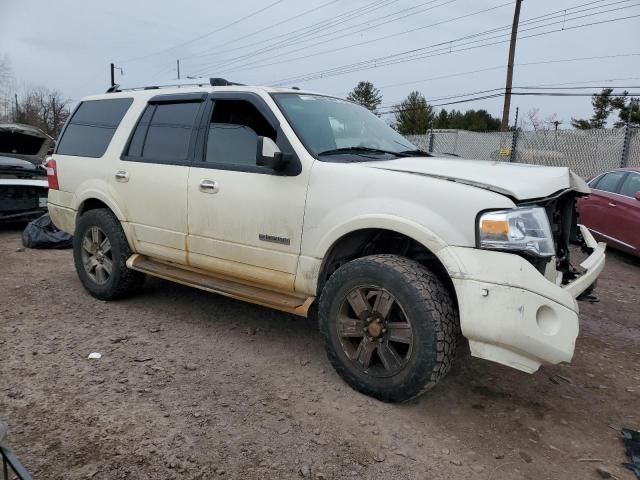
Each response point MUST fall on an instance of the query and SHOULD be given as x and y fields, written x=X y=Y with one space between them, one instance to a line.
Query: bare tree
x=43 y=108
x=538 y=124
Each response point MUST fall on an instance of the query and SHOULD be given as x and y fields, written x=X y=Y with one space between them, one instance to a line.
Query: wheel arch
x=93 y=199
x=376 y=240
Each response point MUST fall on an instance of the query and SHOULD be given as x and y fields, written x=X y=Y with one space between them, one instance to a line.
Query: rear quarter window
x=92 y=126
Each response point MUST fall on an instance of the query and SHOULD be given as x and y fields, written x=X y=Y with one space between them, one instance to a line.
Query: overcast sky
x=68 y=45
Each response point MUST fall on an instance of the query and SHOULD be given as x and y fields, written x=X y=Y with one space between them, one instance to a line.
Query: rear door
x=150 y=179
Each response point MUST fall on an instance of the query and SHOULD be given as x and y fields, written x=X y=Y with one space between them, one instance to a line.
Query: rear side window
x=164 y=132
x=610 y=182
x=631 y=185
x=92 y=126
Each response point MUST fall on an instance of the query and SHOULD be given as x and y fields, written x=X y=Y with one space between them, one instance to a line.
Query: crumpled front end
x=519 y=310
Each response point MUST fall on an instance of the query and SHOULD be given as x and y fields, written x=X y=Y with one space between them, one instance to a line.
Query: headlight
x=521 y=229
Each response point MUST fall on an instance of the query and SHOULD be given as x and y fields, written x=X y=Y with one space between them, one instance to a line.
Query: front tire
x=100 y=253
x=390 y=326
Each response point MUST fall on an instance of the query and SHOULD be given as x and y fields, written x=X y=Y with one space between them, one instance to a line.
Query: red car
x=612 y=211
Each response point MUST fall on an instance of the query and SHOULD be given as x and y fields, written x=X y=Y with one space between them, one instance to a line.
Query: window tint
x=234 y=131
x=631 y=185
x=92 y=127
x=135 y=147
x=609 y=182
x=164 y=132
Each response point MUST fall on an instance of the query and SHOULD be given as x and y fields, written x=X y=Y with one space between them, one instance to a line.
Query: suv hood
x=516 y=180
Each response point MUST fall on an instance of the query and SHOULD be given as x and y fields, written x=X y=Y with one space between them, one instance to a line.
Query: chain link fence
x=586 y=152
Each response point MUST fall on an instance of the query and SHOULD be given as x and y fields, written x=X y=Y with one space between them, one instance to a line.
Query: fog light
x=547 y=320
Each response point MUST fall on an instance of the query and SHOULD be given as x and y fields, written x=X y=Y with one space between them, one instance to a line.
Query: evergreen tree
x=442 y=120
x=414 y=116
x=628 y=110
x=366 y=95
x=603 y=104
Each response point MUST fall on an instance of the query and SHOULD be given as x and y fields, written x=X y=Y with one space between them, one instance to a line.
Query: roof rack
x=213 y=82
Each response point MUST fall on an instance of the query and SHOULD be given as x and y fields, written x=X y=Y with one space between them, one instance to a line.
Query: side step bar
x=285 y=301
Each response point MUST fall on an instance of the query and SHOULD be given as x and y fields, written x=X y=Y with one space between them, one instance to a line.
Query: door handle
x=611 y=204
x=122 y=176
x=209 y=186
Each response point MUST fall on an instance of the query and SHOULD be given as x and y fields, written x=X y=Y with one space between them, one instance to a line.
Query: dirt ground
x=193 y=385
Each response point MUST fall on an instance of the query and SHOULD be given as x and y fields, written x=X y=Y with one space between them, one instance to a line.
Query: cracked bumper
x=510 y=313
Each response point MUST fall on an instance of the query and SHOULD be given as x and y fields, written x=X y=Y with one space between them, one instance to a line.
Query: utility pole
x=512 y=55
x=178 y=65
x=113 y=79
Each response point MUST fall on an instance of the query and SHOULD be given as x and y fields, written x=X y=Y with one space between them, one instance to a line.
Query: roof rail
x=214 y=82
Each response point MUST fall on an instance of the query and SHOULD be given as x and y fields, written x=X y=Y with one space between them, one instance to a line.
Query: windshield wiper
x=415 y=153
x=361 y=150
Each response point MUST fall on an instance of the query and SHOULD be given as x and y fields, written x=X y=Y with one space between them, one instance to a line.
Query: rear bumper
x=62 y=217
x=513 y=315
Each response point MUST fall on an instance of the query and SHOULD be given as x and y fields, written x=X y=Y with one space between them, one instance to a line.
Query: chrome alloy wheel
x=96 y=255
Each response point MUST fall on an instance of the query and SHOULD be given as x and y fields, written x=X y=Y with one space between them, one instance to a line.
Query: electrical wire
x=351 y=29
x=416 y=54
x=507 y=27
x=256 y=64
x=268 y=27
x=208 y=34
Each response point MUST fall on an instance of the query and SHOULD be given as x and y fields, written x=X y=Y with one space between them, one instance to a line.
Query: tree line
x=414 y=115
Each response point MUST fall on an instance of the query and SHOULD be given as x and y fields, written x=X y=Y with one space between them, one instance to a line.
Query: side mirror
x=638 y=196
x=269 y=155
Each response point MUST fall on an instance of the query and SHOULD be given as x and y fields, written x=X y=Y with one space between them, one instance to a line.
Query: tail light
x=52 y=174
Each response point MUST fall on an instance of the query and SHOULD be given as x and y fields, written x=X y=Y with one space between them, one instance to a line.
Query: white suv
x=281 y=198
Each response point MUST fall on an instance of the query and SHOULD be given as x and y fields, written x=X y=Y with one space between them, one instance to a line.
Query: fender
x=310 y=266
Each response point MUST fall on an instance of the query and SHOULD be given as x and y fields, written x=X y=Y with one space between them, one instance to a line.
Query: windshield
x=331 y=127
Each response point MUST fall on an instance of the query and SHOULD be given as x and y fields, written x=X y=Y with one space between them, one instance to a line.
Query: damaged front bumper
x=510 y=313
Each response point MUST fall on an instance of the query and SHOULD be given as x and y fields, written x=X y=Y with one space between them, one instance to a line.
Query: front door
x=245 y=221
x=150 y=181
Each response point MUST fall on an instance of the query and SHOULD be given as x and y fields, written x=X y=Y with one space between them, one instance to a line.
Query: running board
x=284 y=301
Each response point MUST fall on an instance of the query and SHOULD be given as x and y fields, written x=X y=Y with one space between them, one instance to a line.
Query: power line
x=446 y=47
x=296 y=33
x=414 y=54
x=542 y=87
x=268 y=27
x=545 y=17
x=257 y=64
x=208 y=34
x=351 y=30
x=394 y=109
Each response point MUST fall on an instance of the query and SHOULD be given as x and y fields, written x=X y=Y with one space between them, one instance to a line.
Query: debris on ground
x=94 y=355
x=42 y=233
x=557 y=379
x=631 y=442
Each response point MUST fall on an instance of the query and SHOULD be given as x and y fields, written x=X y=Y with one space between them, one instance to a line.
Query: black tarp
x=42 y=233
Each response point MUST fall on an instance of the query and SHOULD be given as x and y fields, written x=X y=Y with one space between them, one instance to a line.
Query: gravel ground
x=193 y=385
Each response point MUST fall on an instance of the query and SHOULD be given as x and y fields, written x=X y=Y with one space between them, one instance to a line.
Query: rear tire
x=390 y=326
x=100 y=253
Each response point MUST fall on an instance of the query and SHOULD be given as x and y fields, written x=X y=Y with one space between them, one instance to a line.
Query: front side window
x=164 y=132
x=233 y=133
x=330 y=128
x=610 y=182
x=92 y=126
x=631 y=185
